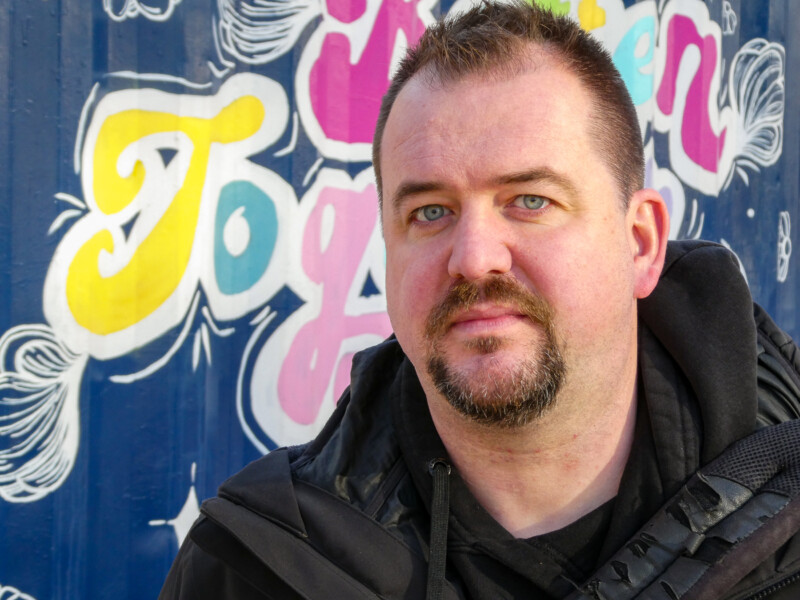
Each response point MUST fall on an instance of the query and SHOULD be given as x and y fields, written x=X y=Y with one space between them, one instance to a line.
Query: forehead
x=480 y=125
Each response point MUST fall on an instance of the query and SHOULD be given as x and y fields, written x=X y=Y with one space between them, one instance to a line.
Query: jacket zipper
x=775 y=587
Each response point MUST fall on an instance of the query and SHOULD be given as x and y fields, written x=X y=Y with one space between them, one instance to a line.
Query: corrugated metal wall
x=189 y=251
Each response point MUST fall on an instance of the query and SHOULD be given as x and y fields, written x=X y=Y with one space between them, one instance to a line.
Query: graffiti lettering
x=345 y=70
x=246 y=228
x=341 y=254
x=713 y=136
x=128 y=261
x=632 y=65
x=309 y=365
x=702 y=145
x=590 y=15
x=99 y=301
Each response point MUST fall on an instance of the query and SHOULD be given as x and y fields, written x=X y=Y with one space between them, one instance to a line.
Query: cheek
x=411 y=292
x=599 y=297
x=586 y=288
x=394 y=272
x=412 y=289
x=402 y=292
x=393 y=299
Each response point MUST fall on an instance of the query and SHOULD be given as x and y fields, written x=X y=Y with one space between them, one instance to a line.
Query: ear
x=648 y=229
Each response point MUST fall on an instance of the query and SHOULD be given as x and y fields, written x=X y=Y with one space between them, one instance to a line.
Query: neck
x=542 y=476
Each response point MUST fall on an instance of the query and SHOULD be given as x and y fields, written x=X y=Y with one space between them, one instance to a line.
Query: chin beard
x=510 y=398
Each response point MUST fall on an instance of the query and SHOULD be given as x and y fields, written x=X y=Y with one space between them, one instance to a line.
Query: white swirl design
x=39 y=421
x=261 y=31
x=757 y=89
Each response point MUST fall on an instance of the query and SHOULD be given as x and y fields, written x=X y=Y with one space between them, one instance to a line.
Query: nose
x=480 y=247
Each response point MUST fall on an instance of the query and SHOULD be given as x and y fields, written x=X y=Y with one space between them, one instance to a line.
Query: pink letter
x=700 y=142
x=311 y=361
x=346 y=97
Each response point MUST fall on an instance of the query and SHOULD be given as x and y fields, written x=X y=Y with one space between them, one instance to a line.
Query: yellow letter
x=590 y=15
x=105 y=305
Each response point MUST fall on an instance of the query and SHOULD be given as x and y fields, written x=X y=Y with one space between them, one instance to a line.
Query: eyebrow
x=543 y=174
x=540 y=174
x=409 y=189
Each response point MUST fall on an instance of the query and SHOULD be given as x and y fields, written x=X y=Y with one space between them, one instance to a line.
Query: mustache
x=501 y=289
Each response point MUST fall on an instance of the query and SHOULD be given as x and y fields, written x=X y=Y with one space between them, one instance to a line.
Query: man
x=553 y=382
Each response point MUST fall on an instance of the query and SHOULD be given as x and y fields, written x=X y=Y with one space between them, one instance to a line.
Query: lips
x=485 y=318
x=486 y=312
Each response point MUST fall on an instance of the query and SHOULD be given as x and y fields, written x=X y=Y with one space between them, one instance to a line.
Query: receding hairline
x=522 y=56
x=527 y=55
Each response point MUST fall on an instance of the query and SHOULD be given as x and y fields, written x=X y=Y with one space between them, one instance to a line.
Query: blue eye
x=531 y=202
x=432 y=212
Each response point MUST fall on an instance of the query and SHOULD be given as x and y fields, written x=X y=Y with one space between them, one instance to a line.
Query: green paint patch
x=557 y=6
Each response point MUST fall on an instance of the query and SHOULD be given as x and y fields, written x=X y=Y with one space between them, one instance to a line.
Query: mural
x=191 y=245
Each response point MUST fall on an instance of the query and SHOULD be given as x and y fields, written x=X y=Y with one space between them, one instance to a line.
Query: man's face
x=496 y=185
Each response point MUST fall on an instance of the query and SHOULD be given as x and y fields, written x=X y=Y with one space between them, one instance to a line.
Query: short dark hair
x=492 y=37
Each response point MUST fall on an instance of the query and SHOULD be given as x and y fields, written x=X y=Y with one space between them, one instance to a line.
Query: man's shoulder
x=778 y=372
x=357 y=442
x=314 y=508
x=738 y=515
x=287 y=526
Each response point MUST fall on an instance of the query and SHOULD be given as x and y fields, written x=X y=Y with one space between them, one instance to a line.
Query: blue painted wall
x=189 y=250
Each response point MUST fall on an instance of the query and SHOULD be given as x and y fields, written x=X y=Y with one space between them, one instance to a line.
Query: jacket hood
x=701 y=311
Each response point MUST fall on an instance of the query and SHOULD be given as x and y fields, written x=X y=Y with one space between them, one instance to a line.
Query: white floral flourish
x=39 y=421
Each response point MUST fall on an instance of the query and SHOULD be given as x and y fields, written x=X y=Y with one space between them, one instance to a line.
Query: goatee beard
x=522 y=393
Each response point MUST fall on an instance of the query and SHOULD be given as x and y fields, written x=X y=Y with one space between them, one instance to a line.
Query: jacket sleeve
x=179 y=584
x=213 y=565
x=778 y=372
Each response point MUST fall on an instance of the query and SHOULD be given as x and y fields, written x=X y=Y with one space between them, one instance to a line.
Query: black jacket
x=348 y=515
